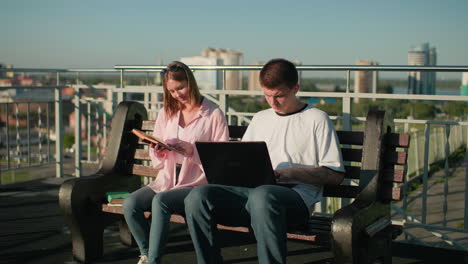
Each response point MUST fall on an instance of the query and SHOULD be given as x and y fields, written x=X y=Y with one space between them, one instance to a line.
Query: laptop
x=239 y=163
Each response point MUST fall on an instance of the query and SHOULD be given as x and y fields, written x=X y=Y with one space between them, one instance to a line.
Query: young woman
x=186 y=117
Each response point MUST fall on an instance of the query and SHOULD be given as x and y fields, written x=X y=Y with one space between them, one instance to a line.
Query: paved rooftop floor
x=32 y=230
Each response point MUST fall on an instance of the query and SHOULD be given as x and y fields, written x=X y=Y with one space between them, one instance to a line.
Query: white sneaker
x=143 y=260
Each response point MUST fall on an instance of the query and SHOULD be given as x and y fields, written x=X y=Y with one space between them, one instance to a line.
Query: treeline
x=403 y=109
x=138 y=78
x=428 y=110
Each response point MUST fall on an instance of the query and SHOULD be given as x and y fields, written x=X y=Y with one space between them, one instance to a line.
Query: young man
x=305 y=154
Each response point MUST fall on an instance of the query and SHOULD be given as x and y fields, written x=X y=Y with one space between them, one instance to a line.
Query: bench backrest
x=375 y=159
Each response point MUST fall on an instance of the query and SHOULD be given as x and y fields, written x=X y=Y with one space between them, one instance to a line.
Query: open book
x=152 y=139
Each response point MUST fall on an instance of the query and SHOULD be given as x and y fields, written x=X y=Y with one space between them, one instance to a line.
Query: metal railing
x=92 y=118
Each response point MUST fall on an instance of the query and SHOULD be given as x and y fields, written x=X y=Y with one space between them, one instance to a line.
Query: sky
x=104 y=33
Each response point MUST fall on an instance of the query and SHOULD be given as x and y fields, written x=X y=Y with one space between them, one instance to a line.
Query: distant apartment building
x=422 y=82
x=228 y=57
x=19 y=91
x=6 y=74
x=365 y=81
x=206 y=79
x=464 y=84
x=6 y=82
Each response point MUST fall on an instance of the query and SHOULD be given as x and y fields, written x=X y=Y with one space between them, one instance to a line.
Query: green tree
x=68 y=140
x=455 y=109
x=308 y=86
x=421 y=110
x=386 y=89
x=330 y=108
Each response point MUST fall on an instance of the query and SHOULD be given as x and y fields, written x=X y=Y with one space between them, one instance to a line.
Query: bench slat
x=394 y=175
x=398 y=140
x=147 y=171
x=310 y=238
x=397 y=194
x=396 y=158
x=118 y=210
x=148 y=125
x=142 y=154
x=345 y=191
x=352 y=172
x=351 y=154
x=351 y=137
x=237 y=131
x=310 y=235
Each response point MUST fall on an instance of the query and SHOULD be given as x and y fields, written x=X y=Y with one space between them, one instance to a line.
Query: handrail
x=145 y=68
x=406 y=68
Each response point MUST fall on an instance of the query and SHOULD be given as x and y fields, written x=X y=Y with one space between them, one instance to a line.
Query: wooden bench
x=359 y=232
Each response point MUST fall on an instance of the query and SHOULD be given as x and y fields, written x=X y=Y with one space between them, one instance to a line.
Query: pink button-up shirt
x=208 y=125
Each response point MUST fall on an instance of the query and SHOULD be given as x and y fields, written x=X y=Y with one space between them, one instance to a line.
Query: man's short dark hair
x=278 y=72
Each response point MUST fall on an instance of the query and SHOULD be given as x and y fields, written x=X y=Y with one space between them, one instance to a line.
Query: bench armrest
x=355 y=223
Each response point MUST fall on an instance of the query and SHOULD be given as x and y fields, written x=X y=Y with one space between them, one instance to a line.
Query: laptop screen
x=237 y=163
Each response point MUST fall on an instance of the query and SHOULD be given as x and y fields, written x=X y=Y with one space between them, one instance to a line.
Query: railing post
x=346 y=107
x=39 y=124
x=416 y=152
x=427 y=135
x=28 y=128
x=223 y=74
x=120 y=95
x=7 y=113
x=346 y=113
x=58 y=130
x=223 y=96
x=465 y=224
x=18 y=138
x=104 y=128
x=88 y=129
x=78 y=141
x=374 y=84
x=48 y=111
x=446 y=173
x=98 y=133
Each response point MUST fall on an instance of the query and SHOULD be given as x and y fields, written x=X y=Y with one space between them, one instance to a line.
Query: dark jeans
x=269 y=209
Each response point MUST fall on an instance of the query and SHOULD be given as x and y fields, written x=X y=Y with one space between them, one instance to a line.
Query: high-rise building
x=464 y=86
x=228 y=57
x=422 y=82
x=365 y=81
x=206 y=79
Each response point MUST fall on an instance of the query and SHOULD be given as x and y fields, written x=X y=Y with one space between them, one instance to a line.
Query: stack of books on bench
x=116 y=198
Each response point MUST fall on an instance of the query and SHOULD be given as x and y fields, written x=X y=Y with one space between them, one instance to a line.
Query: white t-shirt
x=303 y=139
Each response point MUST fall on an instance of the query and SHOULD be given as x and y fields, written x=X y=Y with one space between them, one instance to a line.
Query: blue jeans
x=151 y=238
x=269 y=209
